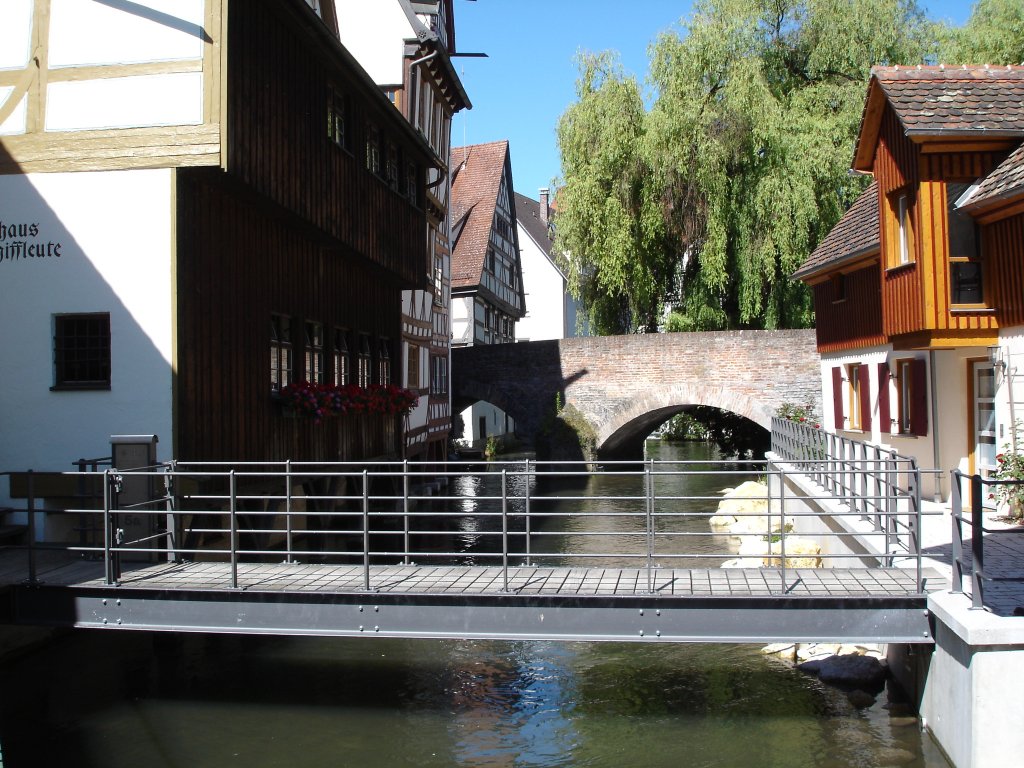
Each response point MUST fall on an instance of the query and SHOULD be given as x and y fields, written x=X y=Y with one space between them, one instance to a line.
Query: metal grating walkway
x=738 y=605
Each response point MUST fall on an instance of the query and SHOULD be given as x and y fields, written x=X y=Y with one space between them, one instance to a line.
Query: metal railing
x=870 y=479
x=979 y=490
x=500 y=514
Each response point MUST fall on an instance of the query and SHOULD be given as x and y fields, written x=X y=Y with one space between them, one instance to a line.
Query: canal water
x=116 y=699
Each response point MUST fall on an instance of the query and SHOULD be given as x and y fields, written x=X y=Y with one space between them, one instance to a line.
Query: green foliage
x=994 y=34
x=608 y=214
x=565 y=434
x=683 y=426
x=710 y=199
x=801 y=413
x=491 y=447
x=736 y=436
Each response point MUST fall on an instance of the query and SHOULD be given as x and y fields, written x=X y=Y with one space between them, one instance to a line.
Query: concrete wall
x=972 y=685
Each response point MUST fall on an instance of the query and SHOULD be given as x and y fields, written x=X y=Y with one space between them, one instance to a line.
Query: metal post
x=405 y=509
x=914 y=522
x=174 y=537
x=649 y=476
x=891 y=506
x=233 y=519
x=526 y=510
x=288 y=511
x=504 y=527
x=782 y=527
x=366 y=530
x=30 y=481
x=957 y=509
x=977 y=544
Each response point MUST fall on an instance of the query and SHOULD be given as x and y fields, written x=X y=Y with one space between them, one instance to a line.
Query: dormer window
x=965 y=284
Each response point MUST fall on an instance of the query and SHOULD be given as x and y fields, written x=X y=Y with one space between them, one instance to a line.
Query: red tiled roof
x=477 y=172
x=943 y=101
x=965 y=99
x=855 y=235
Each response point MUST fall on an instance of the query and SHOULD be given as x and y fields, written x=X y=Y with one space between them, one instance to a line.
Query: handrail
x=977 y=534
x=516 y=511
x=844 y=467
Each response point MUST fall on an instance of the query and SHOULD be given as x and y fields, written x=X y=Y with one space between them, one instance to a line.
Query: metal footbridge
x=504 y=551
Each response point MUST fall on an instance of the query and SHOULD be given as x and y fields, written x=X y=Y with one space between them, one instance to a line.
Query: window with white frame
x=314 y=362
x=280 y=352
x=383 y=362
x=339 y=357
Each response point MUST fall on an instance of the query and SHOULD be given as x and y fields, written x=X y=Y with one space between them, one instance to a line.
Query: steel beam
x=507 y=617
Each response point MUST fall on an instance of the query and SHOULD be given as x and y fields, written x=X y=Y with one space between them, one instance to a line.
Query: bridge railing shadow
x=986 y=550
x=651 y=517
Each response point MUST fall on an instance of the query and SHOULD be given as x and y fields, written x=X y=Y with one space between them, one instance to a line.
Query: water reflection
x=113 y=698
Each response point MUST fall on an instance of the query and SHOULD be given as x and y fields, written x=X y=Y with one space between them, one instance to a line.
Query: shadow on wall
x=530 y=389
x=84 y=246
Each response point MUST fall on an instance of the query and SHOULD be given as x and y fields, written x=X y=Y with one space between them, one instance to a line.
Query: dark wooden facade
x=295 y=224
x=848 y=310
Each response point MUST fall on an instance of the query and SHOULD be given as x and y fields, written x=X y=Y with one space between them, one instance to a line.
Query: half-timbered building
x=487 y=278
x=407 y=51
x=919 y=290
x=202 y=203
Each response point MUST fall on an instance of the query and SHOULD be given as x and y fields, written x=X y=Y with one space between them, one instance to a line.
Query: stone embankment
x=755 y=525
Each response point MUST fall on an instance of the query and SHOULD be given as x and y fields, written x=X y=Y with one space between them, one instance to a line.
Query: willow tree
x=994 y=34
x=609 y=222
x=741 y=162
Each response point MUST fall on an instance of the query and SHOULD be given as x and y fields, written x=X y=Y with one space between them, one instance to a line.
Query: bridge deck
x=733 y=605
x=489 y=580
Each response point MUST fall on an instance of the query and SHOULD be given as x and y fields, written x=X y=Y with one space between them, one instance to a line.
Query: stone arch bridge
x=625 y=386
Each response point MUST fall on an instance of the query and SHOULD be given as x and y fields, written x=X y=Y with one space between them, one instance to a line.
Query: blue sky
x=529 y=77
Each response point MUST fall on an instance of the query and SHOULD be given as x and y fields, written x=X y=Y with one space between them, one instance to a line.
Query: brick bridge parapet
x=626 y=385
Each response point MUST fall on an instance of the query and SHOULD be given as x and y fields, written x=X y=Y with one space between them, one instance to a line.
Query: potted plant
x=1010 y=490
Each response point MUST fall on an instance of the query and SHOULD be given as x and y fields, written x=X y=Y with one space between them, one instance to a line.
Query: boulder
x=850 y=672
x=801 y=552
x=744 y=510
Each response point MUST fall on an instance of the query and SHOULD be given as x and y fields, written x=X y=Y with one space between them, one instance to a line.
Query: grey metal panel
x=738 y=620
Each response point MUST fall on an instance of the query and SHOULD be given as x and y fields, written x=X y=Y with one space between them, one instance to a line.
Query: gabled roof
x=528 y=216
x=476 y=178
x=853 y=238
x=1004 y=183
x=940 y=101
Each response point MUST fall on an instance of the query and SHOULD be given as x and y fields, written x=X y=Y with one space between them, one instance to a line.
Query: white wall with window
x=80 y=251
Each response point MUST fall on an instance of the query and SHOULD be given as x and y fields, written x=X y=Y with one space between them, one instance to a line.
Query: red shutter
x=864 y=376
x=884 y=418
x=837 y=397
x=919 y=393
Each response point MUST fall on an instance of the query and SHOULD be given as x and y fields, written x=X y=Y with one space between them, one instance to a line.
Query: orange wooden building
x=919 y=289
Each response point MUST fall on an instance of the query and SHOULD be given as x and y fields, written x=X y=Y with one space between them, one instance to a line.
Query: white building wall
x=544 y=285
x=141 y=32
x=94 y=33
x=109 y=239
x=374 y=32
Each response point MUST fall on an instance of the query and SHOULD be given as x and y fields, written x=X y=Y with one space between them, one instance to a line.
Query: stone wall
x=626 y=385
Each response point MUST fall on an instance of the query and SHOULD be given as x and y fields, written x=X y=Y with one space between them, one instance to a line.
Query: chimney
x=544 y=205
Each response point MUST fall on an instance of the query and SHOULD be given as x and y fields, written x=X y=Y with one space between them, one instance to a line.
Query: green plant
x=804 y=414
x=491 y=447
x=1009 y=470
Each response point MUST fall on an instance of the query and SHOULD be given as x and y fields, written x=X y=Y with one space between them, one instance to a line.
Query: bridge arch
x=621 y=384
x=624 y=431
